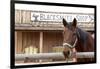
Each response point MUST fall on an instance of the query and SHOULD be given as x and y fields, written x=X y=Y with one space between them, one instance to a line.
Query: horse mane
x=82 y=36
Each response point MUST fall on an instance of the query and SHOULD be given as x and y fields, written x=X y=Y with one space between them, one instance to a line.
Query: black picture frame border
x=12 y=30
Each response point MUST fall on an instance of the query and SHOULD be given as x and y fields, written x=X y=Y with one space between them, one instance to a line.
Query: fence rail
x=19 y=57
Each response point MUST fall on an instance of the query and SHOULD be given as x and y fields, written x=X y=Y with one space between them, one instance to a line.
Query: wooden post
x=19 y=42
x=16 y=42
x=41 y=44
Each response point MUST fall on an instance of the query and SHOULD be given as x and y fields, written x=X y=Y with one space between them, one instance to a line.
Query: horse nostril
x=67 y=54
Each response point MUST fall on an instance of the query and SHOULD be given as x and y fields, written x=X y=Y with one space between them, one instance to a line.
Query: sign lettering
x=57 y=17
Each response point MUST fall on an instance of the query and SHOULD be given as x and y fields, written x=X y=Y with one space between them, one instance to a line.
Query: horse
x=74 y=38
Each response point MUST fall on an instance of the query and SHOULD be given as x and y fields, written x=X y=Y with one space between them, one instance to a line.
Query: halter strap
x=71 y=46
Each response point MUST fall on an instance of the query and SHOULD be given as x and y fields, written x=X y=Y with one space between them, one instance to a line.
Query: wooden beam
x=19 y=42
x=16 y=42
x=48 y=28
x=36 y=63
x=41 y=42
x=52 y=56
x=29 y=26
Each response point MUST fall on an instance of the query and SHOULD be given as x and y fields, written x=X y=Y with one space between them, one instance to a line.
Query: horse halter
x=72 y=46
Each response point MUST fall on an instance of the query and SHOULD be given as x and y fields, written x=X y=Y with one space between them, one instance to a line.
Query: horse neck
x=82 y=36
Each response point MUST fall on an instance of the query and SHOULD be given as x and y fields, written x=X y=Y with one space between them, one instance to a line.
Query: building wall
x=25 y=39
x=23 y=18
x=51 y=39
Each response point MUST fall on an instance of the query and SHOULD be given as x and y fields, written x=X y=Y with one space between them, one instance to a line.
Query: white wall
x=5 y=34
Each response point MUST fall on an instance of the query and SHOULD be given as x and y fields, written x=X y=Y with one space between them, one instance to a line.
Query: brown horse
x=77 y=39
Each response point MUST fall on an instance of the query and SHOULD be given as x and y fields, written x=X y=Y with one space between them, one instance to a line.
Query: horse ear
x=64 y=22
x=74 y=24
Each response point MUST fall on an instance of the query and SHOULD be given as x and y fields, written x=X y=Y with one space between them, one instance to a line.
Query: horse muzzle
x=67 y=50
x=67 y=54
